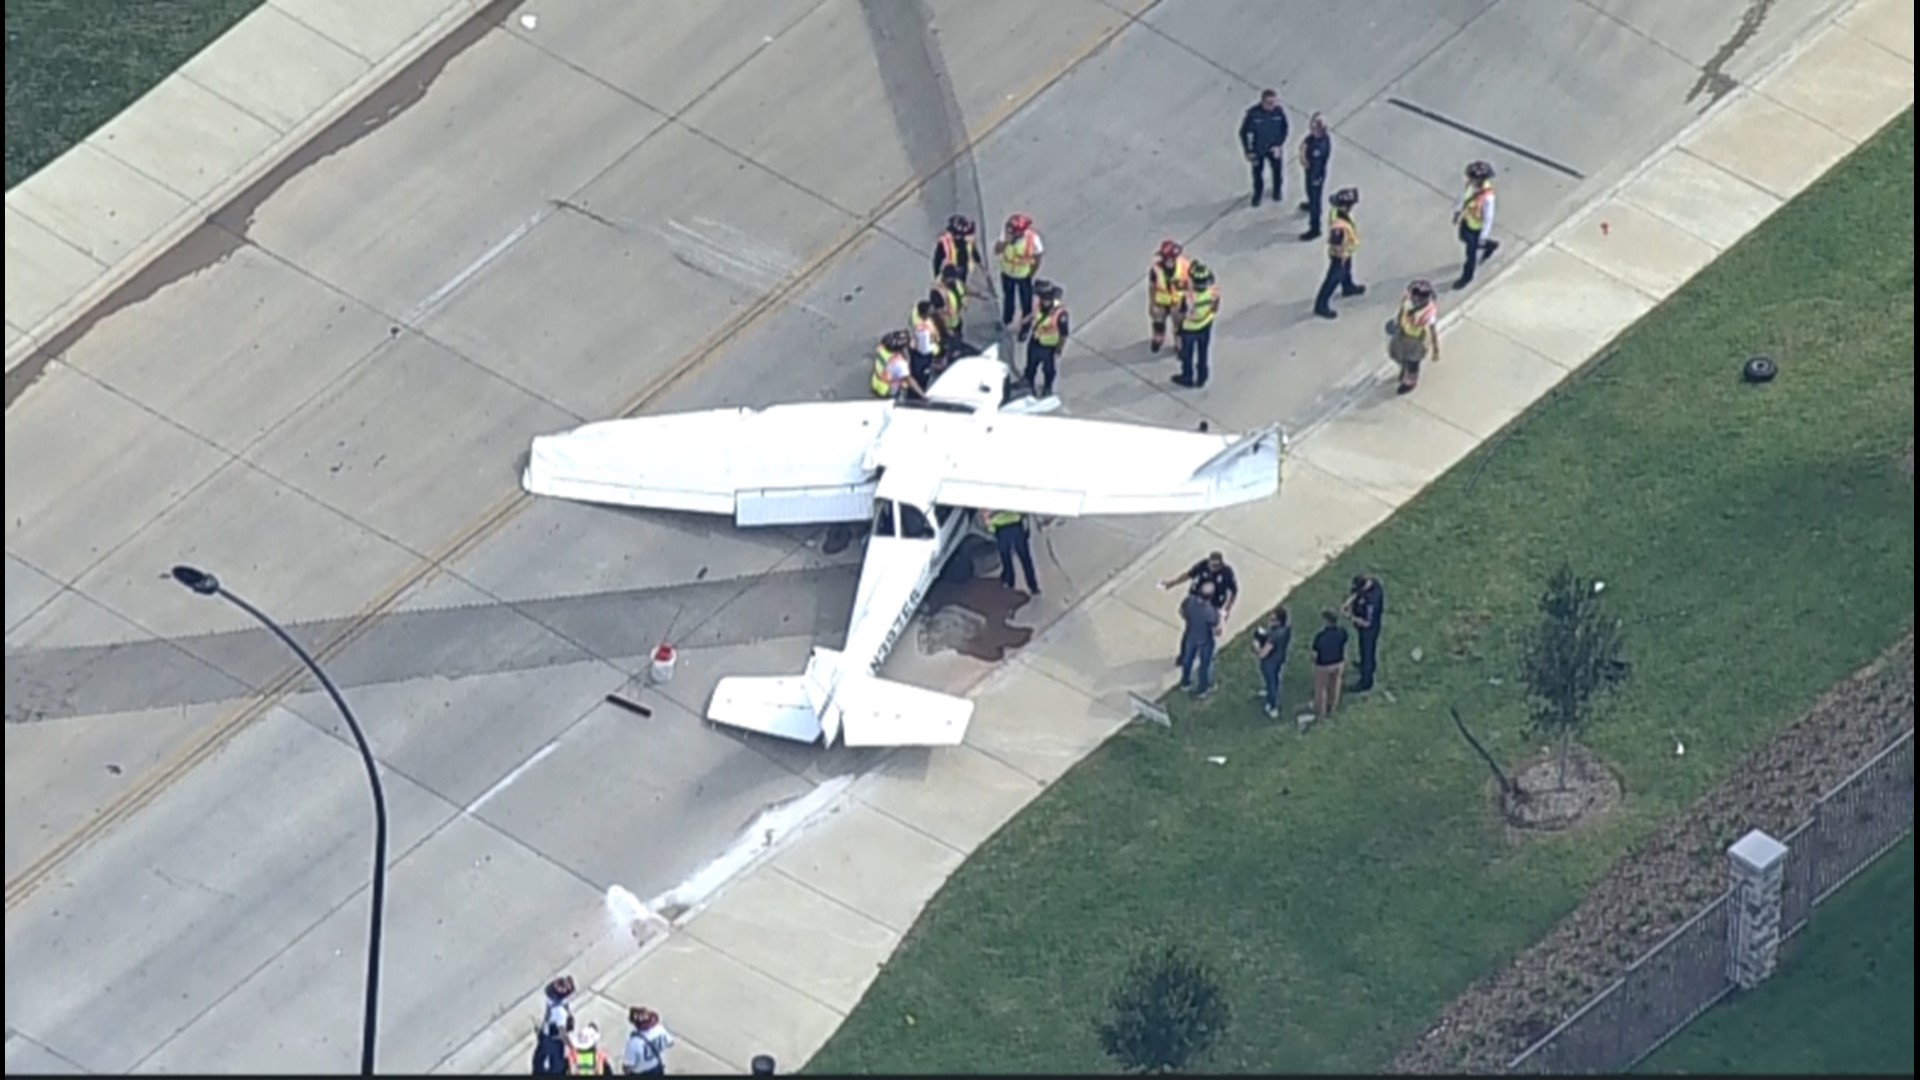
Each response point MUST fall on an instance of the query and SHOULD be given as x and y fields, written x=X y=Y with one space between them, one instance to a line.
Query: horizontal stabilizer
x=881 y=712
x=770 y=706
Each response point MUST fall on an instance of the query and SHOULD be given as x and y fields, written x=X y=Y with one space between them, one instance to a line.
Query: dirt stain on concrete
x=225 y=230
x=975 y=619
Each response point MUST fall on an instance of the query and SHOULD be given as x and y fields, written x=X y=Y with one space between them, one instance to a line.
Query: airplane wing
x=785 y=465
x=1062 y=467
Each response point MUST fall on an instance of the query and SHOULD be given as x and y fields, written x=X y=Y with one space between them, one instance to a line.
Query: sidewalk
x=776 y=961
x=88 y=224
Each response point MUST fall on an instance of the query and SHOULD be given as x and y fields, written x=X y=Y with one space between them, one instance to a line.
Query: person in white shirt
x=556 y=1024
x=648 y=1045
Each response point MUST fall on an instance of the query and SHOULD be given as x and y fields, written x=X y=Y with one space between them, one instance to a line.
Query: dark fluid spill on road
x=989 y=634
x=225 y=230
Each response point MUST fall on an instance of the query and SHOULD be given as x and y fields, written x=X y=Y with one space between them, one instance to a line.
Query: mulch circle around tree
x=1544 y=804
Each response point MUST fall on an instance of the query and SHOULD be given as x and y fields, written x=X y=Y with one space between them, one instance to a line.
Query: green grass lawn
x=1842 y=1002
x=73 y=64
x=1349 y=883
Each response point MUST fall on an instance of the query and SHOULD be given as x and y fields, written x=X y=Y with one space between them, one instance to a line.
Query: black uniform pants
x=1339 y=276
x=1262 y=165
x=1369 y=656
x=1194 y=347
x=1316 y=187
x=1042 y=360
x=1012 y=542
x=921 y=364
x=1477 y=250
x=1011 y=288
x=549 y=1056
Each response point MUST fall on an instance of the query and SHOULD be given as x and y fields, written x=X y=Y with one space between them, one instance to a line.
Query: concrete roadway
x=326 y=395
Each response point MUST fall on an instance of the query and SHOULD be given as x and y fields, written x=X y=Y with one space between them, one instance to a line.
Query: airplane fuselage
x=905 y=556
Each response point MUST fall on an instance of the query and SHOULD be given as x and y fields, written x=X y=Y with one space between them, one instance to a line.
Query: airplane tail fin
x=831 y=700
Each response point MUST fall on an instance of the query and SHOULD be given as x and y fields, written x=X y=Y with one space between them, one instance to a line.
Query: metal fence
x=1686 y=974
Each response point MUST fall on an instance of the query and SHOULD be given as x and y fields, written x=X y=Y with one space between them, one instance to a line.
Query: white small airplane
x=917 y=468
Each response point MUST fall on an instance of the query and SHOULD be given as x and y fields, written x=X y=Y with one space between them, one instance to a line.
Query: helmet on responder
x=1018 y=223
x=642 y=1017
x=1420 y=291
x=1169 y=250
x=1345 y=198
x=960 y=225
x=1480 y=170
x=1202 y=274
x=586 y=1036
x=561 y=988
x=896 y=340
x=1047 y=290
x=952 y=274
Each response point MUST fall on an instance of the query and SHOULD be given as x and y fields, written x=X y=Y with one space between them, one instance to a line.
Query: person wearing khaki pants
x=1329 y=664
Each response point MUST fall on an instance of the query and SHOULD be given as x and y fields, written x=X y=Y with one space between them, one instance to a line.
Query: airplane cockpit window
x=883 y=518
x=913 y=524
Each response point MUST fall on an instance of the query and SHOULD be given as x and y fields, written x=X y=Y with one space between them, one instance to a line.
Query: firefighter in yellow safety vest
x=1475 y=221
x=951 y=290
x=1343 y=239
x=1413 y=334
x=1046 y=331
x=1197 y=311
x=1019 y=252
x=956 y=249
x=584 y=1057
x=1010 y=537
x=892 y=370
x=1167 y=279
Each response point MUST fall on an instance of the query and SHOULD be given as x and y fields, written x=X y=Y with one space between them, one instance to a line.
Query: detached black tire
x=1759 y=369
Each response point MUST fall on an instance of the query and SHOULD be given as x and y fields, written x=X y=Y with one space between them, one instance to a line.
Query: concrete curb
x=455 y=14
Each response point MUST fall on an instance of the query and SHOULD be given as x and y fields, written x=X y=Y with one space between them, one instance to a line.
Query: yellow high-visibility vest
x=1168 y=286
x=1017 y=258
x=956 y=305
x=1343 y=237
x=955 y=253
x=1046 y=329
x=885 y=381
x=1202 y=305
x=1473 y=208
x=1002 y=517
x=1414 y=322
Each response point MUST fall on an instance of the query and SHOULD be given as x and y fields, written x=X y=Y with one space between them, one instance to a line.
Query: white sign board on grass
x=1148 y=711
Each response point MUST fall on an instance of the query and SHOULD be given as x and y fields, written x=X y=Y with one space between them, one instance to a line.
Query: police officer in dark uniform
x=1343 y=238
x=1366 y=606
x=1263 y=138
x=1316 y=150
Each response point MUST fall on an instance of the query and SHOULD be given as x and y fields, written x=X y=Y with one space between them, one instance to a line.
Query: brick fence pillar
x=1759 y=863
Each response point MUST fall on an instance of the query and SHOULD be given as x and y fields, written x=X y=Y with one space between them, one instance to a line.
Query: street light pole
x=206 y=584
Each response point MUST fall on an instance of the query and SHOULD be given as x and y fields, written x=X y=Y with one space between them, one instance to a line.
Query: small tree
x=1168 y=1011
x=1573 y=656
